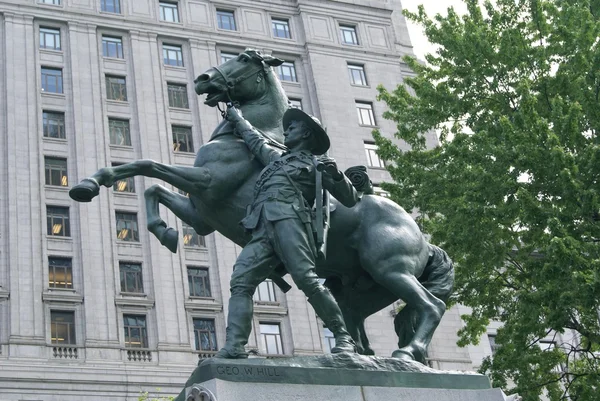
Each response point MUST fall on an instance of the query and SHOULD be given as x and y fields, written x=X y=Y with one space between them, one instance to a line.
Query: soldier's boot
x=329 y=312
x=239 y=325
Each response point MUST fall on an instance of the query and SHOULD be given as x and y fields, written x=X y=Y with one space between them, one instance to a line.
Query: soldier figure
x=280 y=220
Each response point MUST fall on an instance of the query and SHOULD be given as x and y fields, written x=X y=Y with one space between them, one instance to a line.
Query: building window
x=281 y=28
x=53 y=2
x=131 y=277
x=493 y=345
x=112 y=46
x=377 y=190
x=111 y=6
x=226 y=20
x=62 y=327
x=296 y=103
x=329 y=339
x=348 y=35
x=182 y=139
x=127 y=226
x=225 y=57
x=58 y=221
x=191 y=237
x=168 y=11
x=270 y=334
x=53 y=125
x=56 y=171
x=124 y=185
x=60 y=273
x=52 y=80
x=357 y=74
x=178 y=96
x=365 y=113
x=49 y=38
x=205 y=334
x=118 y=131
x=116 y=88
x=287 y=72
x=199 y=282
x=373 y=159
x=136 y=335
x=172 y=55
x=265 y=291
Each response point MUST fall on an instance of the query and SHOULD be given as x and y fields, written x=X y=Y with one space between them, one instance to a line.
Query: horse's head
x=240 y=79
x=250 y=81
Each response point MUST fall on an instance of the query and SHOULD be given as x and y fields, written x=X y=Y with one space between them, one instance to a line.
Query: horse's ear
x=272 y=61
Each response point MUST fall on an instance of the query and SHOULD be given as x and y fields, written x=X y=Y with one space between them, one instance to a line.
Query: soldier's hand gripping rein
x=235 y=116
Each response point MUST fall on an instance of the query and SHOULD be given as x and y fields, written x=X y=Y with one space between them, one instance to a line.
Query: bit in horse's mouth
x=213 y=97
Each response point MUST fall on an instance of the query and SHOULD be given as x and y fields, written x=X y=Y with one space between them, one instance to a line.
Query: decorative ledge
x=131 y=301
x=204 y=304
x=65 y=352
x=138 y=355
x=62 y=296
x=270 y=310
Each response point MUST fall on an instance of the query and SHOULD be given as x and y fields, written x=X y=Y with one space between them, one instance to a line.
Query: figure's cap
x=320 y=135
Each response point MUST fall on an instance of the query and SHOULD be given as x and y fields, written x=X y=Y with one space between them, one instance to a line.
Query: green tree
x=512 y=191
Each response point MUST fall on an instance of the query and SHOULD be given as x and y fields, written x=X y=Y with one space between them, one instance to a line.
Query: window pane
x=191 y=237
x=281 y=29
x=225 y=57
x=199 y=282
x=111 y=6
x=60 y=273
x=182 y=139
x=296 y=103
x=226 y=20
x=265 y=291
x=348 y=35
x=62 y=327
x=178 y=96
x=373 y=159
x=365 y=114
x=50 y=38
x=116 y=88
x=112 y=47
x=131 y=277
x=124 y=185
x=172 y=55
x=169 y=12
x=53 y=125
x=136 y=335
x=55 y=171
x=52 y=80
x=205 y=334
x=127 y=227
x=287 y=72
x=57 y=221
x=357 y=74
x=119 y=132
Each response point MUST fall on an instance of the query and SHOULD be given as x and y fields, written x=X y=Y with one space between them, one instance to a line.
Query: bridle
x=232 y=83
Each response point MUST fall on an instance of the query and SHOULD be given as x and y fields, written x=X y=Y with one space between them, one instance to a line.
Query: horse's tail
x=438 y=279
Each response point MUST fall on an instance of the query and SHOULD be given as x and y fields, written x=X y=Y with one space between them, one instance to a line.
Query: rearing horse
x=376 y=253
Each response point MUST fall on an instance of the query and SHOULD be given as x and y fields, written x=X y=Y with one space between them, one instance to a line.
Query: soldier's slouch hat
x=319 y=134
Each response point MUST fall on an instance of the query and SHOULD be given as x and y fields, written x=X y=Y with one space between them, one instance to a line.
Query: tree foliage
x=512 y=191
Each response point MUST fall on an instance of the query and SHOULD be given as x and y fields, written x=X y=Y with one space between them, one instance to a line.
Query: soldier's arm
x=254 y=140
x=339 y=185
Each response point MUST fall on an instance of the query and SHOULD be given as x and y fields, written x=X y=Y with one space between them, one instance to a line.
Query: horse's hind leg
x=429 y=308
x=190 y=179
x=178 y=204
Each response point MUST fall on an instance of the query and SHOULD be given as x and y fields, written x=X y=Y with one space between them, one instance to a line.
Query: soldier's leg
x=291 y=244
x=253 y=265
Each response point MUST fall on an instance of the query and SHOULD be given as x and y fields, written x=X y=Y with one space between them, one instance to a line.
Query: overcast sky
x=432 y=7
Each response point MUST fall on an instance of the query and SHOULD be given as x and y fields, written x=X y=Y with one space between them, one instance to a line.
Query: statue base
x=339 y=377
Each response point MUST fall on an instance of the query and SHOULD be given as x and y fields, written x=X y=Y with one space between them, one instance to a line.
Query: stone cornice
x=204 y=304
x=143 y=302
x=62 y=296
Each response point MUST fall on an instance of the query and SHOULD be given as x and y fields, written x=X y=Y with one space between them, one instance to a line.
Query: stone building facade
x=91 y=306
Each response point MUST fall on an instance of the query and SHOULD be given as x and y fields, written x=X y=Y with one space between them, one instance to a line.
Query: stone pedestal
x=341 y=377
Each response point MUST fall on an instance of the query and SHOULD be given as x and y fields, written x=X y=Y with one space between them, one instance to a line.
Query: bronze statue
x=376 y=253
x=279 y=218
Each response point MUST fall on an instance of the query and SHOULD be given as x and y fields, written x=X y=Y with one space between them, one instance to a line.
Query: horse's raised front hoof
x=169 y=239
x=85 y=191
